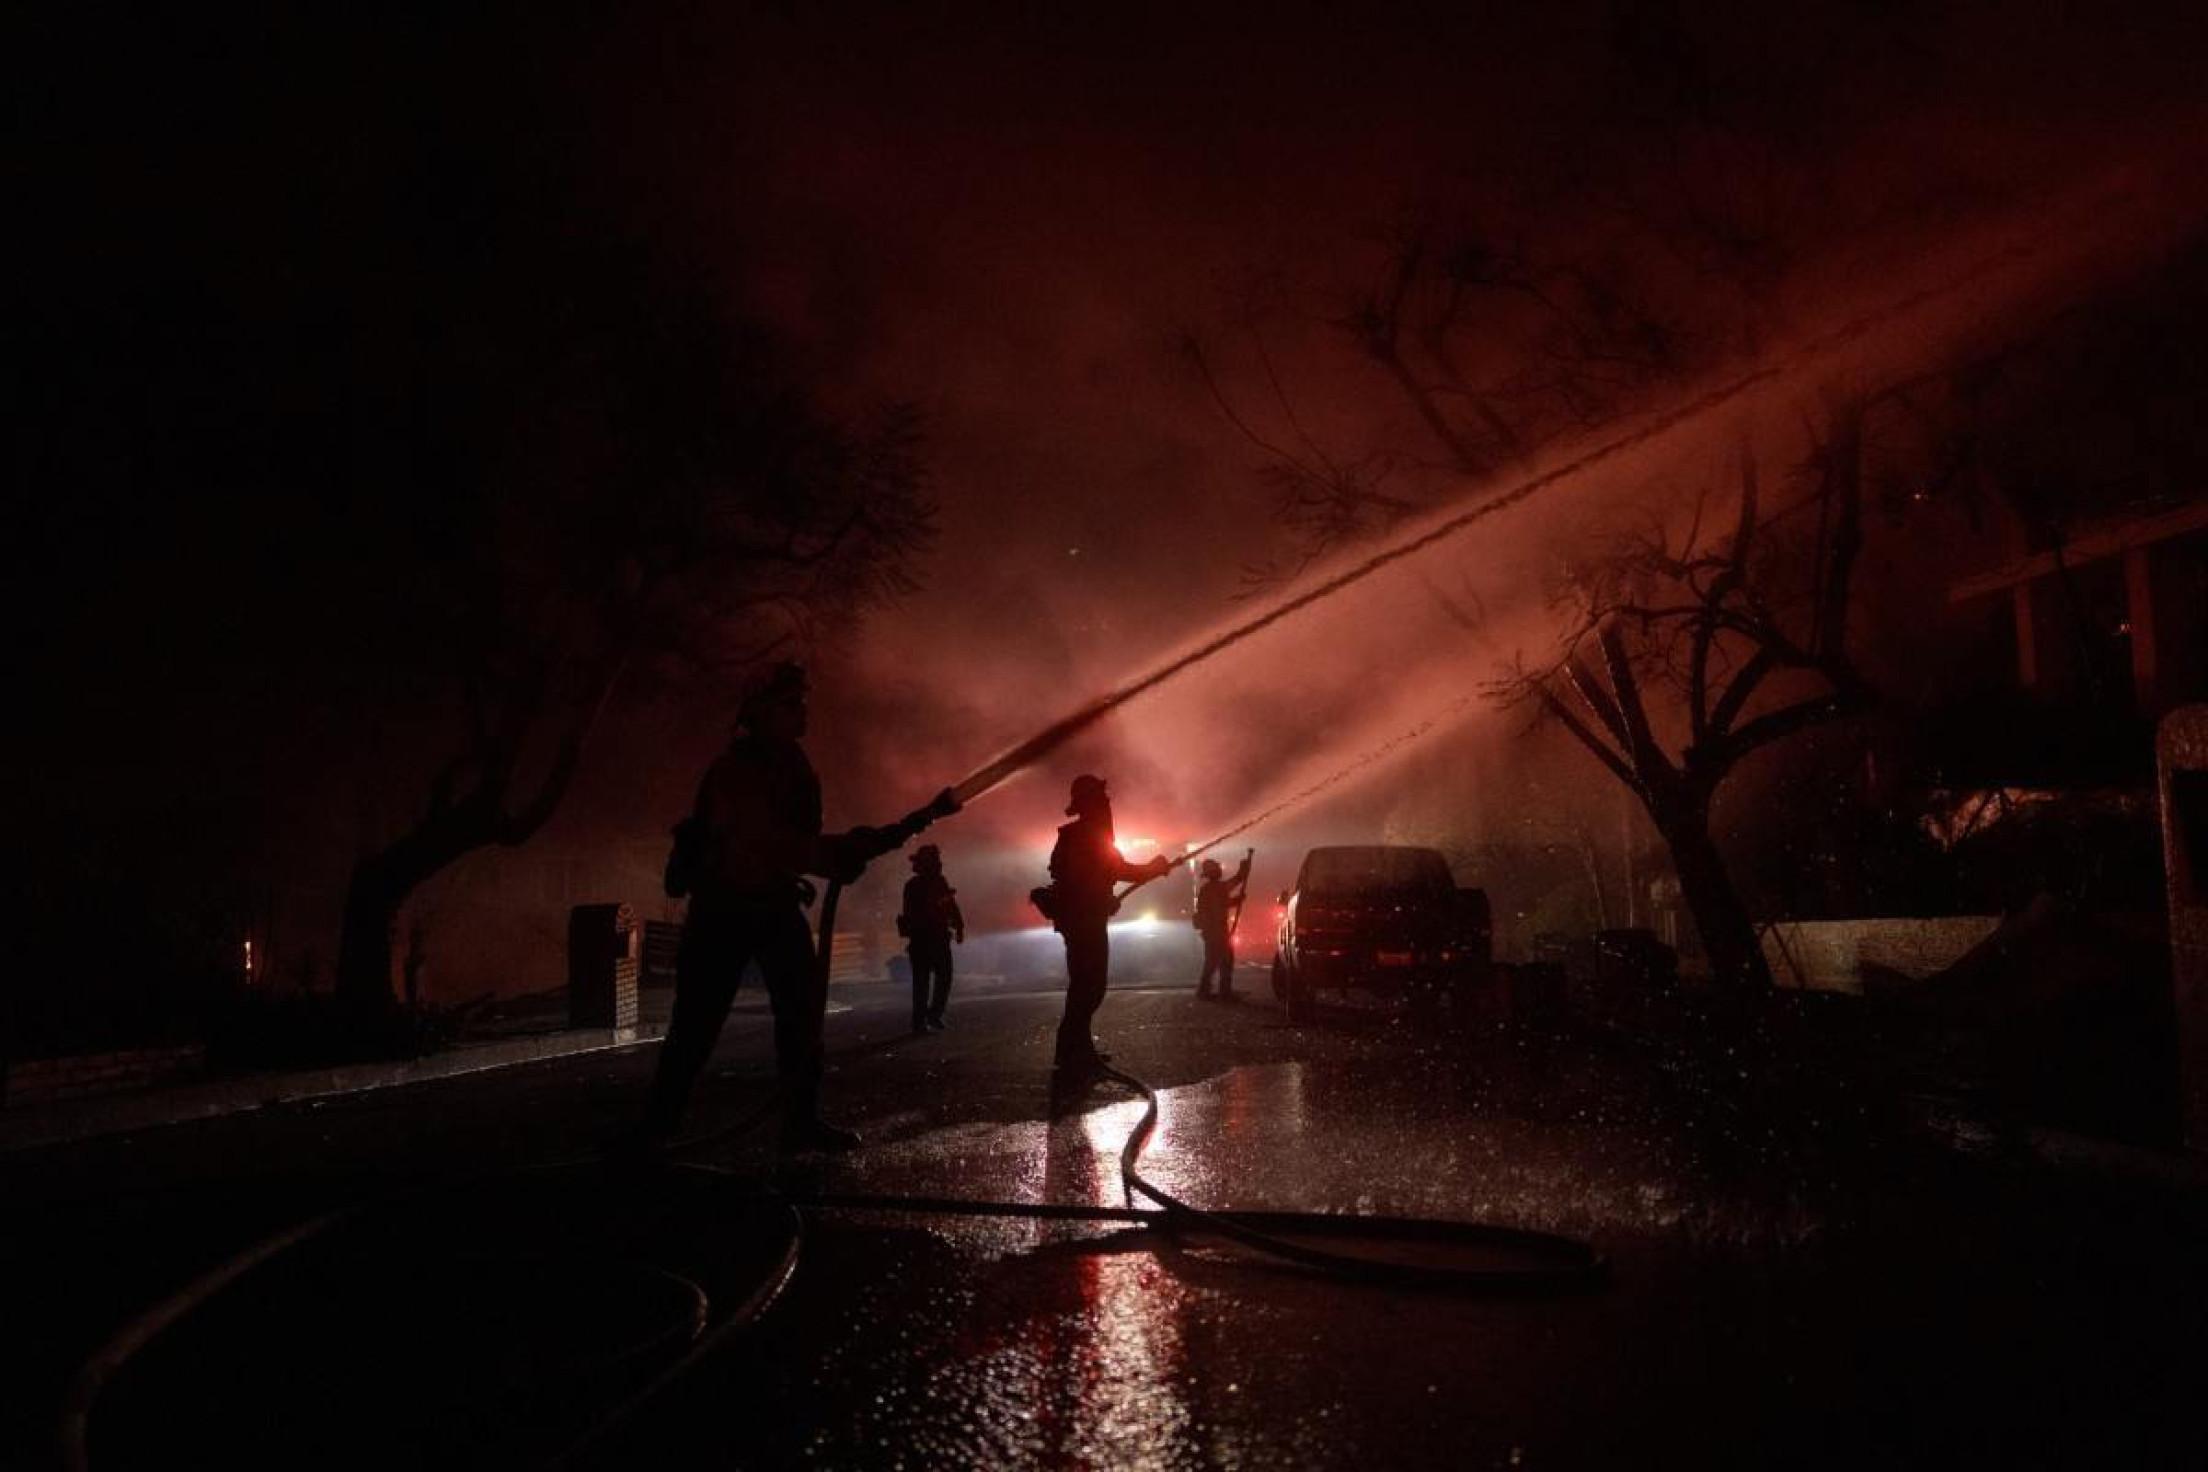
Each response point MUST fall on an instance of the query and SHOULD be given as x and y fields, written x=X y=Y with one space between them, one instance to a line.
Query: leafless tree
x=644 y=496
x=1745 y=633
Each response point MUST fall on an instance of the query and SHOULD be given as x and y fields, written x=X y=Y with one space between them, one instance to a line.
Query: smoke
x=1817 y=354
x=1263 y=712
x=1097 y=511
x=1016 y=233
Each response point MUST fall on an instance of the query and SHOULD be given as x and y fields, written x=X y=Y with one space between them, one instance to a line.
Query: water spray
x=1368 y=759
x=1058 y=733
x=1371 y=758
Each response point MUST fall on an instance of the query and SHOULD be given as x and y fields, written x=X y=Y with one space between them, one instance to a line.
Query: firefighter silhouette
x=742 y=856
x=929 y=922
x=1084 y=867
x=1218 y=902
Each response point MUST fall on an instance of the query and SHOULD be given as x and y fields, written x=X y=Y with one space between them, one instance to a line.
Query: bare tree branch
x=1731 y=574
x=518 y=827
x=1591 y=693
x=1640 y=741
x=1788 y=720
x=1737 y=694
x=1587 y=738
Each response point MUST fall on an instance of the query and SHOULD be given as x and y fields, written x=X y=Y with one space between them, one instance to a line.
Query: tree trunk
x=382 y=883
x=1728 y=934
x=364 y=944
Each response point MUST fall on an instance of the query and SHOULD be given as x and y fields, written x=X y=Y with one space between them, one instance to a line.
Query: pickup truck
x=1384 y=919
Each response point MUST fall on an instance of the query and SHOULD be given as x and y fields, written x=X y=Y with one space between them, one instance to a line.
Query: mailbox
x=602 y=957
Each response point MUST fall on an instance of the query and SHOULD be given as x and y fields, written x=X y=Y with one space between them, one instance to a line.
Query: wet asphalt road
x=1803 y=1273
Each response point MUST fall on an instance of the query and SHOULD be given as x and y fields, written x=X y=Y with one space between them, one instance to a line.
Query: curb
x=69 y=1121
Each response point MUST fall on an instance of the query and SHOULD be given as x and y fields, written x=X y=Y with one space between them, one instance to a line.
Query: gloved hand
x=912 y=824
x=1160 y=864
x=848 y=854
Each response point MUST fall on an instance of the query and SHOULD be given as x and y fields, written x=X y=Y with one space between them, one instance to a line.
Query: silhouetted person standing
x=1084 y=867
x=744 y=851
x=929 y=922
x=1217 y=899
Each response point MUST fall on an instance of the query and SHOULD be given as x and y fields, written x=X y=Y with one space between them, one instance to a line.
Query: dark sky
x=1008 y=215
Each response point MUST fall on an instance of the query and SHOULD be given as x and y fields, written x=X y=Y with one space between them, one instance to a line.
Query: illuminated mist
x=1277 y=723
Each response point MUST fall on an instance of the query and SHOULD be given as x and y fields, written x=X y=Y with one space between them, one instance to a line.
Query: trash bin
x=602 y=964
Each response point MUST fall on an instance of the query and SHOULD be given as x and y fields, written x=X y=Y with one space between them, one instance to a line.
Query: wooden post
x=2139 y=616
x=2182 y=767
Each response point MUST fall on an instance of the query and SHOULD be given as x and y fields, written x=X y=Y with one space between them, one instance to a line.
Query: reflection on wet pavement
x=1807 y=1271
x=1766 y=1237
x=1346 y=1138
x=1101 y=1345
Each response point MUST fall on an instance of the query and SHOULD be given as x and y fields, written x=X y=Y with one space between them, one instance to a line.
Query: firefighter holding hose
x=742 y=857
x=1218 y=903
x=1085 y=864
